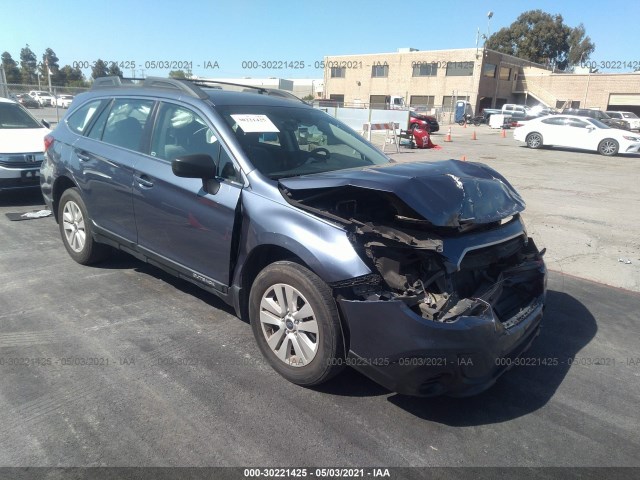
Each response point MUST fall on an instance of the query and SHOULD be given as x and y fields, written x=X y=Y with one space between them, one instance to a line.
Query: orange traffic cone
x=464 y=158
x=504 y=133
x=474 y=137
x=448 y=137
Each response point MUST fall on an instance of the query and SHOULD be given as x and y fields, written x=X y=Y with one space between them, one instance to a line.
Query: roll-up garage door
x=624 y=99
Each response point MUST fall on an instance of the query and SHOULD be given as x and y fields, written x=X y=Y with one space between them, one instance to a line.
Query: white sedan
x=577 y=132
x=64 y=100
x=21 y=146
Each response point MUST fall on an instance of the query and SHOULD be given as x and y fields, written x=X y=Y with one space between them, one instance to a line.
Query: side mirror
x=45 y=123
x=198 y=165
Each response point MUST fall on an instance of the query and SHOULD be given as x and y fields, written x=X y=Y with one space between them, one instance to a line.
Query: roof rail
x=274 y=92
x=175 y=83
x=112 y=81
x=151 y=82
x=189 y=86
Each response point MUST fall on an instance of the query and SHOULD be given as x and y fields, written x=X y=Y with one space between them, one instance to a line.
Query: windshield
x=598 y=123
x=629 y=115
x=291 y=141
x=13 y=115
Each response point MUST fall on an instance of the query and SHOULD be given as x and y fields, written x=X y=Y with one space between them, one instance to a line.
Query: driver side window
x=179 y=131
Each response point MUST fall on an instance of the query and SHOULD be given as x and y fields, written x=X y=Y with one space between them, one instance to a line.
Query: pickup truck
x=516 y=112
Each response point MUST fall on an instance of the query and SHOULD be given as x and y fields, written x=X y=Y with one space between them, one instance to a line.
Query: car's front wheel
x=608 y=147
x=296 y=324
x=75 y=229
x=534 y=140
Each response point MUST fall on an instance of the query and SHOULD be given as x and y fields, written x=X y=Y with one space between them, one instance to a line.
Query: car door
x=105 y=156
x=553 y=130
x=179 y=223
x=578 y=134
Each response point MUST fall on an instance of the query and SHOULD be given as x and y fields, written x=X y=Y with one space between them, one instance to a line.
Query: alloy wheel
x=73 y=223
x=289 y=325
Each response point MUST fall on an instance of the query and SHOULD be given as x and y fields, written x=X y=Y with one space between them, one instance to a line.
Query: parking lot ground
x=123 y=365
x=582 y=207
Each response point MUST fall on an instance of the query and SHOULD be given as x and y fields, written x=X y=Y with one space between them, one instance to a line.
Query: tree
x=177 y=74
x=28 y=64
x=99 y=69
x=11 y=70
x=49 y=58
x=73 y=77
x=543 y=38
x=114 y=70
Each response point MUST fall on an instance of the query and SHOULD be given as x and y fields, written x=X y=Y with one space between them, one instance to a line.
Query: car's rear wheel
x=534 y=140
x=608 y=147
x=296 y=324
x=75 y=229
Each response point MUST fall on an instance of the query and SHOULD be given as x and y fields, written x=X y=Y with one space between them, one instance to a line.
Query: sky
x=223 y=39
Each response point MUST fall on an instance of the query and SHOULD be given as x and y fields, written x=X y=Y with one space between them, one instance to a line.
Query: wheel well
x=258 y=259
x=61 y=184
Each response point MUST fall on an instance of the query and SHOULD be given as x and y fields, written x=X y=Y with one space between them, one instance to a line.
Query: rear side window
x=79 y=119
x=98 y=126
x=126 y=121
x=554 y=120
x=574 y=122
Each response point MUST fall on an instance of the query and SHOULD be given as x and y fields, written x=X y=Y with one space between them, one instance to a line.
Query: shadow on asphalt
x=22 y=199
x=589 y=152
x=123 y=261
x=567 y=327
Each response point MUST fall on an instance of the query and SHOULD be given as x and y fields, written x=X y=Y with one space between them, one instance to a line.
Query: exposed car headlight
x=631 y=139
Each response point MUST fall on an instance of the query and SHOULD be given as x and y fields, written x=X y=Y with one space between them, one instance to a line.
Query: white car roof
x=6 y=100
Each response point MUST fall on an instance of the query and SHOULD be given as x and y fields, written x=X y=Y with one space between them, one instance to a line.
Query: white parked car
x=21 y=146
x=629 y=117
x=45 y=99
x=64 y=101
x=582 y=133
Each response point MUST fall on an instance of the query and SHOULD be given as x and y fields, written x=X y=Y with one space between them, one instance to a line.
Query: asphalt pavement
x=122 y=365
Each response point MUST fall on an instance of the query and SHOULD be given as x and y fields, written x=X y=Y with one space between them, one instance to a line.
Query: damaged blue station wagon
x=420 y=275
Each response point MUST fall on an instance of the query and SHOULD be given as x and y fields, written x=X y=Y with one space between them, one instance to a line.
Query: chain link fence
x=14 y=89
x=50 y=105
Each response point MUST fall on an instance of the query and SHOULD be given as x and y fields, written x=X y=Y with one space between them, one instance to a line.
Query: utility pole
x=46 y=62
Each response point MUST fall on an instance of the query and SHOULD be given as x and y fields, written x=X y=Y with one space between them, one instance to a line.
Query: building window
x=459 y=69
x=422 y=100
x=424 y=69
x=337 y=99
x=489 y=70
x=338 y=72
x=505 y=73
x=378 y=71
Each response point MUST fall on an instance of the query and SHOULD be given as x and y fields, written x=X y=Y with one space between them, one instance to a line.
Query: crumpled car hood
x=448 y=193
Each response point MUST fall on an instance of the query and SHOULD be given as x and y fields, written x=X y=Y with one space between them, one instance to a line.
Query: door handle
x=82 y=156
x=143 y=181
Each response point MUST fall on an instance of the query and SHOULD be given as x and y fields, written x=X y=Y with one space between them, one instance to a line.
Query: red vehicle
x=426 y=122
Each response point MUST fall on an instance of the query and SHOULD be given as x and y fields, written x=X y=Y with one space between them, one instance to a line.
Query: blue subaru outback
x=420 y=275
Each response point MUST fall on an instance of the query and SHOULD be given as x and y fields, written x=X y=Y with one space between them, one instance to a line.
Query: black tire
x=608 y=147
x=74 y=223
x=534 y=140
x=328 y=359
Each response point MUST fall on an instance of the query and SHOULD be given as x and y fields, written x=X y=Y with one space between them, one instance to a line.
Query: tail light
x=48 y=141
